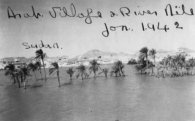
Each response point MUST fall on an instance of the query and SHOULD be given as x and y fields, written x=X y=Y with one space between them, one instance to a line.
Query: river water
x=131 y=98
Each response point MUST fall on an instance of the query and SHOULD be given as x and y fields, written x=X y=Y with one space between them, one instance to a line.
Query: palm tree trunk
x=21 y=78
x=58 y=77
x=100 y=68
x=105 y=73
x=14 y=77
x=94 y=74
x=152 y=70
x=24 y=84
x=70 y=78
x=35 y=75
x=44 y=70
x=82 y=76
x=41 y=74
x=153 y=66
x=122 y=72
x=115 y=74
x=17 y=78
x=146 y=61
x=119 y=72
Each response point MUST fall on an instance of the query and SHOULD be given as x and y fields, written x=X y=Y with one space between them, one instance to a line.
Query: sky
x=75 y=37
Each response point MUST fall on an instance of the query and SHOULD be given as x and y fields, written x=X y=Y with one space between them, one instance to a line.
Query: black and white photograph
x=97 y=60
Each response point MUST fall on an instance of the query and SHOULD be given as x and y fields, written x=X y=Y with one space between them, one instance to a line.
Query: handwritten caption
x=89 y=15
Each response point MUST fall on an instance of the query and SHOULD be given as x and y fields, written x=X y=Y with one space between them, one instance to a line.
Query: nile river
x=131 y=98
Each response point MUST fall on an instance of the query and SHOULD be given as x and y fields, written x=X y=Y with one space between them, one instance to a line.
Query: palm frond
x=40 y=54
x=51 y=70
x=7 y=72
x=32 y=66
x=38 y=64
x=70 y=71
x=77 y=76
x=144 y=50
x=55 y=65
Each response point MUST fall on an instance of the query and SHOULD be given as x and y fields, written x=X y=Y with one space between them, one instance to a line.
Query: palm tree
x=179 y=61
x=176 y=65
x=152 y=53
x=70 y=72
x=55 y=67
x=105 y=71
x=117 y=68
x=120 y=65
x=10 y=71
x=168 y=61
x=24 y=72
x=144 y=54
x=141 y=64
x=33 y=67
x=191 y=64
x=114 y=70
x=17 y=74
x=94 y=66
x=81 y=71
x=41 y=55
x=38 y=65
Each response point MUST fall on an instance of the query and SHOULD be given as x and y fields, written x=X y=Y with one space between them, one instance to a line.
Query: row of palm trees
x=84 y=72
x=173 y=66
x=18 y=75
x=176 y=65
x=81 y=71
x=34 y=67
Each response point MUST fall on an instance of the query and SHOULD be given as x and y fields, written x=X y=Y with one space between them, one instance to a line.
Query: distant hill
x=187 y=50
x=103 y=57
x=96 y=54
x=12 y=59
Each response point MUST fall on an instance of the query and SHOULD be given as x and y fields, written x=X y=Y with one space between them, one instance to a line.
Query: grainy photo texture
x=97 y=60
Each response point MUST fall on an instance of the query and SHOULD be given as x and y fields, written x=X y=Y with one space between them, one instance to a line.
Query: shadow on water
x=34 y=86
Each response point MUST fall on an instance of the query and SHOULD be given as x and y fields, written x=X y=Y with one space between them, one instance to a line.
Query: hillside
x=102 y=57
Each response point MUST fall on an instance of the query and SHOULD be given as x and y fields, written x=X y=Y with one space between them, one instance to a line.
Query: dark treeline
x=20 y=75
x=170 y=66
